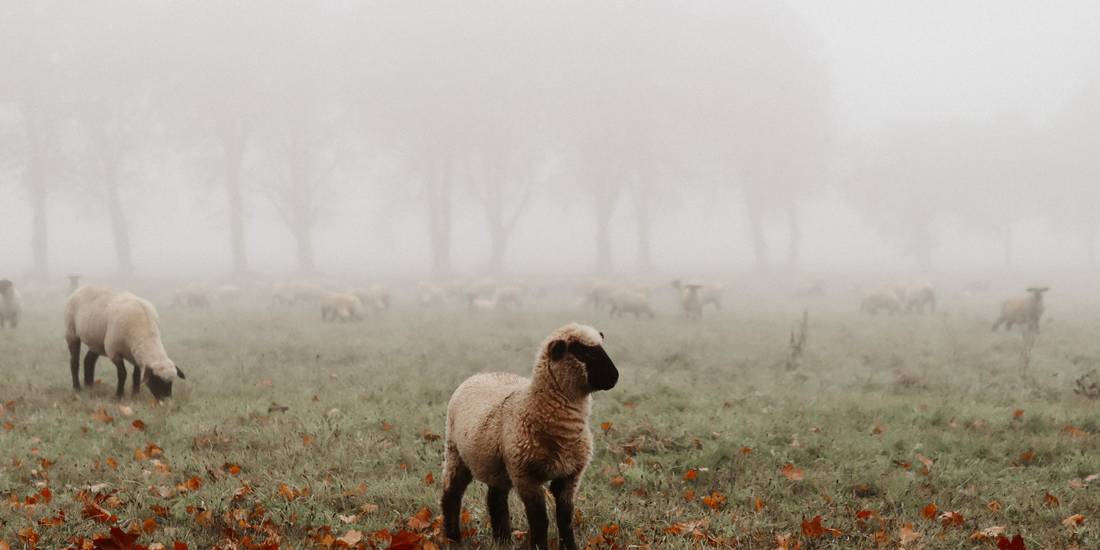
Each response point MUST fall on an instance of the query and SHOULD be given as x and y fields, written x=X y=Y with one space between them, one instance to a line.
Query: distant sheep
x=881 y=299
x=11 y=304
x=1022 y=310
x=343 y=307
x=509 y=296
x=626 y=302
x=707 y=293
x=227 y=293
x=377 y=297
x=124 y=328
x=430 y=294
x=597 y=294
x=508 y=431
x=918 y=295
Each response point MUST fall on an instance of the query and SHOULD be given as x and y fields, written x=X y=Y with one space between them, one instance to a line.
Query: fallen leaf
x=138 y=425
x=1074 y=520
x=605 y=426
x=1017 y=543
x=949 y=519
x=429 y=479
x=906 y=534
x=812 y=528
x=351 y=538
x=101 y=415
x=1051 y=501
x=421 y=520
x=792 y=473
x=691 y=474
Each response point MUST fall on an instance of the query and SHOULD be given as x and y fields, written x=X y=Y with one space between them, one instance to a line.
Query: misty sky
x=887 y=64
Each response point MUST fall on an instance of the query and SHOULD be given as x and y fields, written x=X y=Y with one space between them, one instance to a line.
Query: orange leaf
x=606 y=426
x=949 y=519
x=429 y=479
x=101 y=415
x=1026 y=457
x=1074 y=431
x=1074 y=520
x=138 y=425
x=231 y=469
x=1018 y=413
x=689 y=495
x=715 y=500
x=422 y=519
x=792 y=473
x=618 y=481
x=812 y=528
x=1051 y=501
x=925 y=460
x=1016 y=543
x=864 y=514
x=929 y=511
x=906 y=533
x=691 y=474
x=994 y=506
x=746 y=450
x=758 y=504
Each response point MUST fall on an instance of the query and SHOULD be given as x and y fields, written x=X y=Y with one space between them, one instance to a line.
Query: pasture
x=898 y=431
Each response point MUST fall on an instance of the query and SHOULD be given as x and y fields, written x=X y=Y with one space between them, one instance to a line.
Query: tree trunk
x=39 y=241
x=645 y=224
x=794 y=245
x=756 y=226
x=119 y=230
x=439 y=220
x=303 y=236
x=233 y=143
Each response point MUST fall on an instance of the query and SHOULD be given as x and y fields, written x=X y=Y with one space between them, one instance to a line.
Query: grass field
x=884 y=417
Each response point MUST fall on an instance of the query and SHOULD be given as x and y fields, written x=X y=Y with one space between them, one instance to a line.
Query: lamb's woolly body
x=119 y=326
x=338 y=306
x=510 y=431
x=11 y=304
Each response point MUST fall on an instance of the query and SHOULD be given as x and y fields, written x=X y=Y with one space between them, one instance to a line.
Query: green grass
x=361 y=398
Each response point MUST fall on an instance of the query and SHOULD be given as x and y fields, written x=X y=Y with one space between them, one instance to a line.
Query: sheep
x=708 y=293
x=509 y=431
x=192 y=295
x=597 y=294
x=915 y=296
x=11 y=304
x=122 y=327
x=341 y=306
x=627 y=301
x=375 y=296
x=294 y=292
x=1023 y=310
x=881 y=299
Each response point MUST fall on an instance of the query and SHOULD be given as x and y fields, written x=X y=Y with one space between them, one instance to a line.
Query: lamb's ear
x=179 y=373
x=557 y=350
x=601 y=335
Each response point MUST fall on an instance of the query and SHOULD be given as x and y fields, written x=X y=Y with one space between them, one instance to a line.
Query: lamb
x=708 y=293
x=1023 y=310
x=11 y=304
x=376 y=296
x=341 y=306
x=598 y=293
x=629 y=302
x=881 y=299
x=509 y=431
x=122 y=327
x=690 y=300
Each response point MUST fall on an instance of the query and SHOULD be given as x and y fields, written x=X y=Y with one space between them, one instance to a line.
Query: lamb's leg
x=530 y=492
x=136 y=387
x=74 y=363
x=89 y=368
x=564 y=491
x=456 y=477
x=499 y=517
x=120 y=366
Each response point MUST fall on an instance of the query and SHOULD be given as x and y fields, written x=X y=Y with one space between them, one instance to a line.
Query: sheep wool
x=11 y=304
x=508 y=432
x=1023 y=310
x=122 y=327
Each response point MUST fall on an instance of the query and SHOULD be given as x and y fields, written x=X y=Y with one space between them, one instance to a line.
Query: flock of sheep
x=504 y=430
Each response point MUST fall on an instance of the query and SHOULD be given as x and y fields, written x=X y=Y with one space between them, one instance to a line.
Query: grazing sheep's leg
x=530 y=492
x=136 y=387
x=89 y=368
x=456 y=477
x=564 y=491
x=120 y=366
x=74 y=363
x=499 y=517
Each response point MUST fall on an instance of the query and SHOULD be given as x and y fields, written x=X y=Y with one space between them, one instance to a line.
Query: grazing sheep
x=343 y=307
x=881 y=299
x=708 y=293
x=598 y=294
x=122 y=327
x=917 y=295
x=192 y=295
x=1023 y=310
x=11 y=304
x=377 y=297
x=508 y=431
x=627 y=301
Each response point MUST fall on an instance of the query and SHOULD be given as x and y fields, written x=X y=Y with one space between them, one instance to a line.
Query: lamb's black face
x=160 y=388
x=602 y=374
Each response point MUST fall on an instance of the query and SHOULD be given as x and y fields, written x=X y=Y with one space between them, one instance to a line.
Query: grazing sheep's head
x=576 y=362
x=159 y=377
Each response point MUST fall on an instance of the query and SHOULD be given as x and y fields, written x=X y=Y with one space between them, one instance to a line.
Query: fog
x=211 y=139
